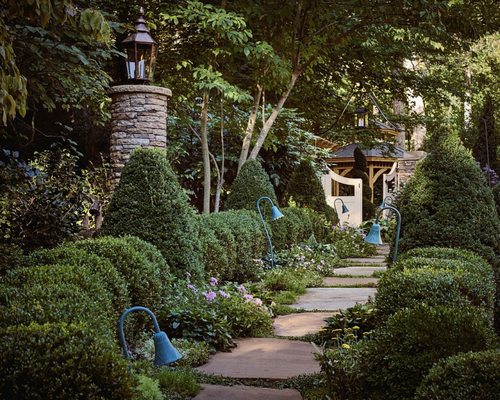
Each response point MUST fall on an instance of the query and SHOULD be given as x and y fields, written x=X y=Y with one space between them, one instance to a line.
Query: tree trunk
x=220 y=173
x=270 y=121
x=245 y=147
x=205 y=153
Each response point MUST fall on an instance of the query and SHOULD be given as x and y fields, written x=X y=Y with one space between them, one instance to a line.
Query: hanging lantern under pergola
x=141 y=51
x=361 y=117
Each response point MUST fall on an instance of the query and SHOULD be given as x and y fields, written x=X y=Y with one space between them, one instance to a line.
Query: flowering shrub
x=349 y=242
x=215 y=314
x=321 y=258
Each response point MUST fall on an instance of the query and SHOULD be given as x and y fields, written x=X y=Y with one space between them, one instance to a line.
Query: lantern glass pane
x=131 y=63
x=143 y=62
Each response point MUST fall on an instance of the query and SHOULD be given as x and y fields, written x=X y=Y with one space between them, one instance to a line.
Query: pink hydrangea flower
x=213 y=281
x=248 y=297
x=242 y=289
x=257 y=302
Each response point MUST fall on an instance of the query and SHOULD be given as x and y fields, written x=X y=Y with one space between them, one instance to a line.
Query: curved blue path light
x=275 y=214
x=345 y=210
x=374 y=237
x=165 y=352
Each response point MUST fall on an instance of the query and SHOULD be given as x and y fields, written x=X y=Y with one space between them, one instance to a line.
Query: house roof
x=380 y=150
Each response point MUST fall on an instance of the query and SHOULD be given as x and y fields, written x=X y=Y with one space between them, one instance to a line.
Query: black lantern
x=141 y=51
x=361 y=118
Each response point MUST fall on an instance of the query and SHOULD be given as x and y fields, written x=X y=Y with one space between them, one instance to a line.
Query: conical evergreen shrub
x=448 y=203
x=251 y=183
x=305 y=189
x=149 y=203
x=360 y=172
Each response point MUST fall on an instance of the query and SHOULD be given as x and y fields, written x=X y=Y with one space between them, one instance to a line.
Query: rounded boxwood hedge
x=403 y=350
x=286 y=231
x=408 y=288
x=250 y=241
x=475 y=280
x=446 y=253
x=251 y=183
x=466 y=376
x=144 y=278
x=149 y=203
x=61 y=361
x=53 y=303
x=214 y=255
x=98 y=267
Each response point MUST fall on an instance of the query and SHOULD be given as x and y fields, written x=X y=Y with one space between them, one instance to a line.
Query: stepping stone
x=300 y=324
x=339 y=281
x=277 y=359
x=358 y=271
x=333 y=298
x=218 y=392
x=371 y=260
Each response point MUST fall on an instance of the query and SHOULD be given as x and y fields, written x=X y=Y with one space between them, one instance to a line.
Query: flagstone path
x=280 y=358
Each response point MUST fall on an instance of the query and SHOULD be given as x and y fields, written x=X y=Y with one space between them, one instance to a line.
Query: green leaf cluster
x=150 y=204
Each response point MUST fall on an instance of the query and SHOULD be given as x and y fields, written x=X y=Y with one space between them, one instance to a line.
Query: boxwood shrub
x=466 y=376
x=149 y=203
x=251 y=183
x=144 y=278
x=222 y=231
x=215 y=258
x=446 y=253
x=475 y=280
x=98 y=267
x=408 y=288
x=250 y=241
x=54 y=302
x=403 y=350
x=61 y=361
x=11 y=256
x=286 y=231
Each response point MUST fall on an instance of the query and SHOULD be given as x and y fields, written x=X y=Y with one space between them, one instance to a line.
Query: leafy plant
x=150 y=204
x=178 y=382
x=349 y=242
x=251 y=183
x=321 y=258
x=80 y=364
x=149 y=388
x=44 y=199
x=466 y=376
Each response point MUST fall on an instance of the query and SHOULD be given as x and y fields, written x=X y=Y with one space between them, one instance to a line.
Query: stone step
x=276 y=359
x=300 y=324
x=358 y=271
x=379 y=261
x=345 y=281
x=240 y=392
x=333 y=299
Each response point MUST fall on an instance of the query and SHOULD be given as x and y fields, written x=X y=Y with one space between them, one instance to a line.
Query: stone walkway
x=281 y=358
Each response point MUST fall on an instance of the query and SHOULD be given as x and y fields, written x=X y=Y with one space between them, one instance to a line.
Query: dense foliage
x=251 y=183
x=305 y=190
x=466 y=376
x=360 y=171
x=150 y=204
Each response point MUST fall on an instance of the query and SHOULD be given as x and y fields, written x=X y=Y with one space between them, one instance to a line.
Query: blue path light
x=165 y=352
x=373 y=236
x=275 y=214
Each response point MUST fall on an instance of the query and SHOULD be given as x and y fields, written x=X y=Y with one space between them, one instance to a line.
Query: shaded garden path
x=280 y=358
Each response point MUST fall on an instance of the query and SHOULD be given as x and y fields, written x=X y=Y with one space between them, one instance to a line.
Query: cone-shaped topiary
x=447 y=203
x=251 y=183
x=359 y=172
x=149 y=203
x=305 y=189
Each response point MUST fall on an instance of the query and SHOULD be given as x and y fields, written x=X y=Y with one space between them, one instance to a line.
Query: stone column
x=139 y=119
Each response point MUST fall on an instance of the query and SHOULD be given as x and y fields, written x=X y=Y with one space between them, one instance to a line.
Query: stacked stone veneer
x=407 y=165
x=139 y=119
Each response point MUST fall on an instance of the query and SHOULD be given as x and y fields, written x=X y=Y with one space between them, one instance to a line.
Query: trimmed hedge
x=467 y=376
x=475 y=280
x=411 y=287
x=286 y=231
x=249 y=237
x=97 y=267
x=305 y=189
x=144 y=279
x=251 y=183
x=61 y=361
x=447 y=254
x=149 y=203
x=405 y=348
x=215 y=257
x=11 y=256
x=55 y=302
